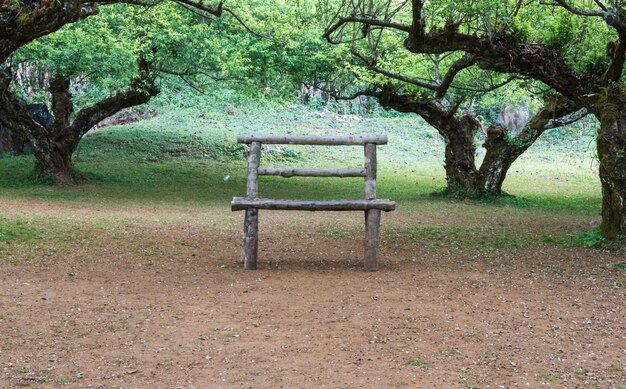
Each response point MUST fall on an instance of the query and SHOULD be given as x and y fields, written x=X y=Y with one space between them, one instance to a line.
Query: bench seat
x=240 y=203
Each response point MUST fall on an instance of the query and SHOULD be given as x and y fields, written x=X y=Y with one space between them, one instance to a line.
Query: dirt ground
x=165 y=304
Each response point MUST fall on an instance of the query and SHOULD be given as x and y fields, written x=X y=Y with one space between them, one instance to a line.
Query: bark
x=611 y=146
x=498 y=159
x=15 y=116
x=461 y=174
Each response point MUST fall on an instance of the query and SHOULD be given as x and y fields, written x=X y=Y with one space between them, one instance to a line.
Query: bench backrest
x=368 y=171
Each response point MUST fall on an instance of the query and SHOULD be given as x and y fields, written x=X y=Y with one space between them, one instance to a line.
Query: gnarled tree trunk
x=54 y=149
x=15 y=116
x=502 y=148
x=611 y=146
x=458 y=134
x=498 y=159
x=460 y=153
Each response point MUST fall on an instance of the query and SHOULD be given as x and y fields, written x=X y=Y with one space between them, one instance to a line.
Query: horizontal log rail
x=339 y=140
x=310 y=172
x=240 y=204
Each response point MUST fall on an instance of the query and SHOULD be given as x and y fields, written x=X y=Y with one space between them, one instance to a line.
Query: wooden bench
x=370 y=205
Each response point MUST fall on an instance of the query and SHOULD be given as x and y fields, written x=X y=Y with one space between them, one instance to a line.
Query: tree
x=295 y=53
x=502 y=145
x=436 y=89
x=21 y=22
x=531 y=39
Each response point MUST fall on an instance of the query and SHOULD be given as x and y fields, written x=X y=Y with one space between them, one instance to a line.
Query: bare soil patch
x=163 y=303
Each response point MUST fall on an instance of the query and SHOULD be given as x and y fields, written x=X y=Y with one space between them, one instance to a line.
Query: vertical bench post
x=370 y=171
x=372 y=216
x=249 y=251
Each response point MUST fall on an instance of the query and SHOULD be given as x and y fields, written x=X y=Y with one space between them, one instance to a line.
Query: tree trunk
x=501 y=151
x=458 y=134
x=54 y=149
x=61 y=169
x=15 y=116
x=463 y=178
x=459 y=160
x=498 y=159
x=611 y=144
x=503 y=148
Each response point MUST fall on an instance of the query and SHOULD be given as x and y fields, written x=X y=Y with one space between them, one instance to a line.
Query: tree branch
x=440 y=89
x=557 y=111
x=367 y=92
x=491 y=87
x=363 y=20
x=462 y=63
x=371 y=65
x=215 y=11
x=142 y=90
x=246 y=26
x=566 y=119
x=575 y=10
x=22 y=24
x=602 y=6
x=614 y=72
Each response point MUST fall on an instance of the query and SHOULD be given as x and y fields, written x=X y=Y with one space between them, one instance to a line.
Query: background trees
x=538 y=41
x=119 y=56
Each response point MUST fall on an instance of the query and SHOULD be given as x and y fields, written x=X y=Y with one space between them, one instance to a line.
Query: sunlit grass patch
x=17 y=231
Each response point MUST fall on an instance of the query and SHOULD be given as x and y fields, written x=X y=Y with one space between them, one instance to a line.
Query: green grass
x=16 y=231
x=465 y=238
x=419 y=362
x=183 y=156
x=588 y=239
x=550 y=377
x=190 y=158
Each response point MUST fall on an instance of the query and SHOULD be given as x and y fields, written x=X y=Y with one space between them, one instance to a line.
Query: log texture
x=372 y=239
x=339 y=140
x=310 y=172
x=251 y=203
x=252 y=190
x=249 y=251
x=240 y=203
x=370 y=171
x=250 y=248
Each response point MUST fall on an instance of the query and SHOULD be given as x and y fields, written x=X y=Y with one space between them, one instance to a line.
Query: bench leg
x=249 y=251
x=372 y=239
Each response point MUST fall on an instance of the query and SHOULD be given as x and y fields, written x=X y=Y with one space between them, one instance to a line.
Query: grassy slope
x=184 y=156
x=179 y=160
